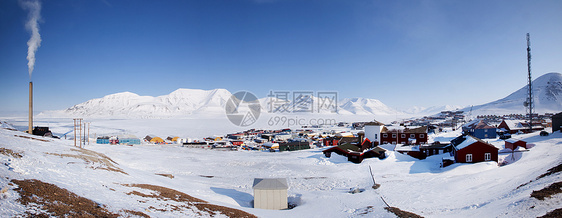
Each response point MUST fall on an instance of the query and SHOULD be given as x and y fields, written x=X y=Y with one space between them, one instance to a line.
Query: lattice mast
x=529 y=102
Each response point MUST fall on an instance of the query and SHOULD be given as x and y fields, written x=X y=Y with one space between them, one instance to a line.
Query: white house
x=373 y=131
x=270 y=193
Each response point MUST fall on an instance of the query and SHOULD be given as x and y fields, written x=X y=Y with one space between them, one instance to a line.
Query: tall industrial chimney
x=30 y=129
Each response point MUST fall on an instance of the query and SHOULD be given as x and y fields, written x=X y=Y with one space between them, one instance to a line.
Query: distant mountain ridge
x=547 y=91
x=186 y=102
x=181 y=102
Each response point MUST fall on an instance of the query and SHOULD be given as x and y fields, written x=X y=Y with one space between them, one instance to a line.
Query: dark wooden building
x=514 y=143
x=293 y=146
x=356 y=153
x=557 y=122
x=436 y=148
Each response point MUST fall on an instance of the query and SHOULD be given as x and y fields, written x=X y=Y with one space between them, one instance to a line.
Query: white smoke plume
x=32 y=25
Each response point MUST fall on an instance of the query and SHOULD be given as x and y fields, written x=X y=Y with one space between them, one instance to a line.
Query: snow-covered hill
x=422 y=111
x=547 y=92
x=186 y=102
x=181 y=102
x=363 y=106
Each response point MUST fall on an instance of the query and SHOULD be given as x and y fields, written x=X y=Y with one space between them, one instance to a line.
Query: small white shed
x=270 y=193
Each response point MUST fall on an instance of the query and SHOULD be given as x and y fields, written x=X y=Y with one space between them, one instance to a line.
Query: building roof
x=467 y=140
x=438 y=146
x=422 y=129
x=375 y=149
x=407 y=148
x=477 y=124
x=392 y=129
x=349 y=140
x=483 y=125
x=374 y=123
x=401 y=129
x=512 y=140
x=471 y=123
x=349 y=147
x=270 y=184
x=514 y=124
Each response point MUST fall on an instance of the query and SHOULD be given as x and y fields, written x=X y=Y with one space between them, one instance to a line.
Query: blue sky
x=404 y=53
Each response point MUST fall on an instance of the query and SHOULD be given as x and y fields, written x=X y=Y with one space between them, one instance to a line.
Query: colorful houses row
x=119 y=140
x=482 y=130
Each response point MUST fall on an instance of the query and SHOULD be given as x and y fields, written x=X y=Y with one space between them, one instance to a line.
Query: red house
x=513 y=143
x=415 y=136
x=469 y=149
x=514 y=126
x=329 y=141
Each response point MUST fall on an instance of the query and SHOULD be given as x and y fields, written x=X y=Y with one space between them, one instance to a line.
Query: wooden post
x=89 y=133
x=78 y=127
x=74 y=129
x=80 y=131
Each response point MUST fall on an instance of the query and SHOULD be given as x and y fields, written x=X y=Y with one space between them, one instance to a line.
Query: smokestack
x=30 y=130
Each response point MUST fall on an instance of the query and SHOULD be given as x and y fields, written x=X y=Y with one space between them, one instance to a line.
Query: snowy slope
x=317 y=185
x=547 y=92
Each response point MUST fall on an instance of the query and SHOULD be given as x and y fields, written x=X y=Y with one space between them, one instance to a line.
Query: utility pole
x=529 y=102
x=84 y=135
x=78 y=127
x=89 y=132
x=74 y=130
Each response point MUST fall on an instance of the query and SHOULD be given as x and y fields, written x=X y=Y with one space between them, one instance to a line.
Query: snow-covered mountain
x=547 y=91
x=547 y=97
x=181 y=102
x=365 y=106
x=422 y=111
x=186 y=102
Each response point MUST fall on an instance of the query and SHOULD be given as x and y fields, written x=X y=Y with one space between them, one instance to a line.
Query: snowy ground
x=318 y=185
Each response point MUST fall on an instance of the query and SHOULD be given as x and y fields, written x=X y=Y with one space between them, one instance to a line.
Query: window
x=468 y=158
x=487 y=156
x=422 y=136
x=393 y=143
x=393 y=136
x=384 y=135
x=403 y=136
x=412 y=136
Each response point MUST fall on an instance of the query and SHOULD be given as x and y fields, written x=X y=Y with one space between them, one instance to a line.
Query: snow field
x=318 y=185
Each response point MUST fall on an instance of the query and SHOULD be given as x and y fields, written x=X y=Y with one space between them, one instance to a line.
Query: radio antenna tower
x=529 y=102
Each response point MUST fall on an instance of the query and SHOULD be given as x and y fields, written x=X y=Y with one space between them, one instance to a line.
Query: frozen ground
x=318 y=185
